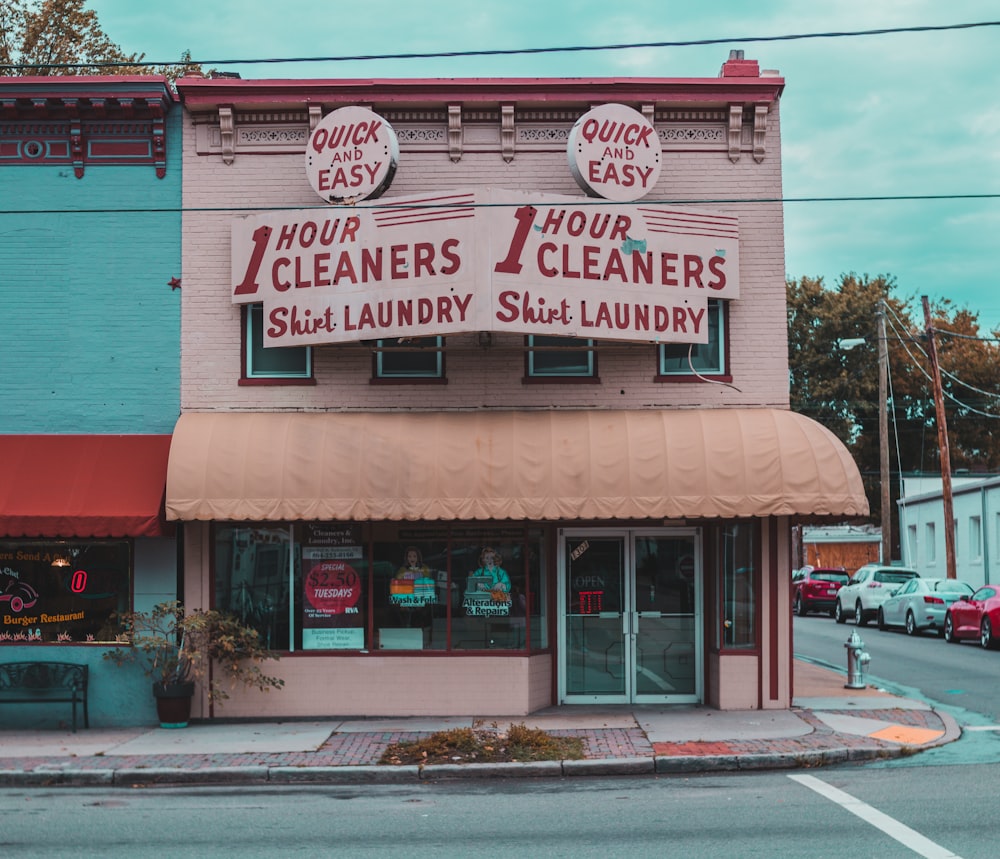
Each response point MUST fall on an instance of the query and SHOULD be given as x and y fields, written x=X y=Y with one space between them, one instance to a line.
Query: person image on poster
x=489 y=567
x=413 y=566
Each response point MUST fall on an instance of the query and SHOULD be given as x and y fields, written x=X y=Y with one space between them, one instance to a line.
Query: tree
x=839 y=388
x=60 y=37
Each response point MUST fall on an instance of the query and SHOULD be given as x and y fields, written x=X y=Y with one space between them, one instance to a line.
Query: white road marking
x=981 y=727
x=889 y=825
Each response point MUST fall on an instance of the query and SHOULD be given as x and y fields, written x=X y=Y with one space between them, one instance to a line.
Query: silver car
x=921 y=604
x=868 y=588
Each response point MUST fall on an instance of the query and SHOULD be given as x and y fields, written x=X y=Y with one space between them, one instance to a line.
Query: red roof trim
x=208 y=93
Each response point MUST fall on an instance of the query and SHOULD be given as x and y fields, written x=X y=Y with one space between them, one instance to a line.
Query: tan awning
x=545 y=465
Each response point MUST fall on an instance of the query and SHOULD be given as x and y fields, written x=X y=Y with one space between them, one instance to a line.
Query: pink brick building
x=505 y=424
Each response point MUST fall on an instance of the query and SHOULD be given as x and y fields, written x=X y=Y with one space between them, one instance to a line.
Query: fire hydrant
x=857 y=661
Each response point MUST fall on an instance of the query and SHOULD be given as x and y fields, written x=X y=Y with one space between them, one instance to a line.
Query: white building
x=976 y=509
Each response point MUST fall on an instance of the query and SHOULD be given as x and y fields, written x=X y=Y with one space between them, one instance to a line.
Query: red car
x=975 y=617
x=815 y=589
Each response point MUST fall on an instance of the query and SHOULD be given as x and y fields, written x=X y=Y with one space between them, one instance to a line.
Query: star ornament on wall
x=174 y=283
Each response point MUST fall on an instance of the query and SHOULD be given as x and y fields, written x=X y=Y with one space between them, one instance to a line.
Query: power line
x=427 y=55
x=927 y=376
x=945 y=333
x=386 y=202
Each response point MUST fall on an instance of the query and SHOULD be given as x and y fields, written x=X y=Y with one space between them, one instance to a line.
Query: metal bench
x=45 y=682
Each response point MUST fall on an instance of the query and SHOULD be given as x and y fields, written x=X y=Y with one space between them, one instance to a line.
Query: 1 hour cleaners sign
x=486 y=260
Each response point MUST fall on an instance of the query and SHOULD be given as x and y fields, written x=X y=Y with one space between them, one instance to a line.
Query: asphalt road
x=850 y=811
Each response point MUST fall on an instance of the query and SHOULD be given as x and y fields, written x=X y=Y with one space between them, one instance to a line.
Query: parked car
x=975 y=617
x=921 y=604
x=815 y=589
x=868 y=588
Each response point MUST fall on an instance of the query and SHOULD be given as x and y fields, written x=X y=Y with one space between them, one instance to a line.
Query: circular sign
x=614 y=152
x=351 y=155
x=332 y=587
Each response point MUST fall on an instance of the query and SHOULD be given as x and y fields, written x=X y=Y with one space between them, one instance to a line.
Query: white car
x=868 y=588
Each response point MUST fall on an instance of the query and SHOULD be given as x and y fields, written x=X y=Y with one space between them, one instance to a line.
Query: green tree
x=61 y=37
x=839 y=388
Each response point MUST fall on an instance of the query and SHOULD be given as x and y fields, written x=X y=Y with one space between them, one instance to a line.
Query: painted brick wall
x=91 y=328
x=477 y=377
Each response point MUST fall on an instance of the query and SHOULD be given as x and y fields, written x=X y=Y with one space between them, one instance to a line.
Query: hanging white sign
x=486 y=260
x=615 y=153
x=352 y=155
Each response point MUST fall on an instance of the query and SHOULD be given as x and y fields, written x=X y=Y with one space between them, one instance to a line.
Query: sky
x=889 y=115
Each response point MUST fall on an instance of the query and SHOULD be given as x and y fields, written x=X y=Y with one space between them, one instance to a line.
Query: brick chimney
x=737 y=67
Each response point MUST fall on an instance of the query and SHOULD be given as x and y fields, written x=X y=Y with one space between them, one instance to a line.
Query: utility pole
x=942 y=428
x=883 y=433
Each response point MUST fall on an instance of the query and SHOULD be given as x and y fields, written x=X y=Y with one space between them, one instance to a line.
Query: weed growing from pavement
x=484 y=744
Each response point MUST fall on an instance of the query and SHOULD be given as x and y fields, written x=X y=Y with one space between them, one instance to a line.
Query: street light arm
x=848 y=343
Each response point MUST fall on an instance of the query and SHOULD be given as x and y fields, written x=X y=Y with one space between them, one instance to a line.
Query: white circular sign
x=351 y=155
x=614 y=152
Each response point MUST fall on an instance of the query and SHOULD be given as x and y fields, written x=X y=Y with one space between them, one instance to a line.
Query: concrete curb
x=355 y=775
x=344 y=775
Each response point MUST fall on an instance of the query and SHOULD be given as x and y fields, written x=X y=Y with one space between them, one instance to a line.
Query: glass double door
x=630 y=624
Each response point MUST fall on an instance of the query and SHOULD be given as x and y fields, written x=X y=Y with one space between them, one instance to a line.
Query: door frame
x=628 y=536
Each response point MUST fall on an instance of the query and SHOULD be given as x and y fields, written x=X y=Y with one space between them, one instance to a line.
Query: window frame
x=379 y=375
x=718 y=314
x=248 y=374
x=585 y=345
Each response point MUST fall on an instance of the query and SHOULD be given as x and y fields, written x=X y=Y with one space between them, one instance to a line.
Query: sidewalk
x=827 y=724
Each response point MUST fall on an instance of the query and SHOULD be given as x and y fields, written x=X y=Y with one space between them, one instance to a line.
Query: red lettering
x=507 y=300
x=321 y=270
x=590 y=263
x=276 y=282
x=398 y=262
x=454 y=260
x=715 y=265
x=693 y=266
x=567 y=272
x=249 y=285
x=423 y=257
x=543 y=267
x=511 y=264
x=668 y=267
x=300 y=280
x=277 y=320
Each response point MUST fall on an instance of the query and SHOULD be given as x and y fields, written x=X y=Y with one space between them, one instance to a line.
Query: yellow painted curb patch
x=907 y=736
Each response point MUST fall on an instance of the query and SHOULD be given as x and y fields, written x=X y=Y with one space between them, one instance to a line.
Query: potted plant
x=177 y=647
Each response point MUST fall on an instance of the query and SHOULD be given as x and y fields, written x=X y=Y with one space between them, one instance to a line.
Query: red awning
x=83 y=485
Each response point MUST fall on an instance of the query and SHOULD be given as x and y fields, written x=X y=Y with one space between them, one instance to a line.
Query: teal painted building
x=90 y=280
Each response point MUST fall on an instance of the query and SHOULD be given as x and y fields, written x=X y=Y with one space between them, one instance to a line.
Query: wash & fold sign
x=489 y=259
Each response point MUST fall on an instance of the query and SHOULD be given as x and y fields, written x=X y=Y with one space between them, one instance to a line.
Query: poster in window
x=331 y=615
x=62 y=591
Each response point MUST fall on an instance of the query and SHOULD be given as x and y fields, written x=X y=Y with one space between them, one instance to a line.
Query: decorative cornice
x=227 y=128
x=67 y=122
x=759 y=131
x=735 y=131
x=507 y=132
x=455 y=132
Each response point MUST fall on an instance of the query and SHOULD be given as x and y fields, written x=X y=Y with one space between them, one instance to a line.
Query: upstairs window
x=409 y=359
x=561 y=358
x=694 y=359
x=272 y=363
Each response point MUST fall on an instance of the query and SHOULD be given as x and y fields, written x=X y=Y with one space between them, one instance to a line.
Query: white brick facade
x=244 y=145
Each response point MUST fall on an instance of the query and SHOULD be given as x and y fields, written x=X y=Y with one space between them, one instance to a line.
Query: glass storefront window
x=738 y=573
x=63 y=591
x=357 y=588
x=254 y=581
